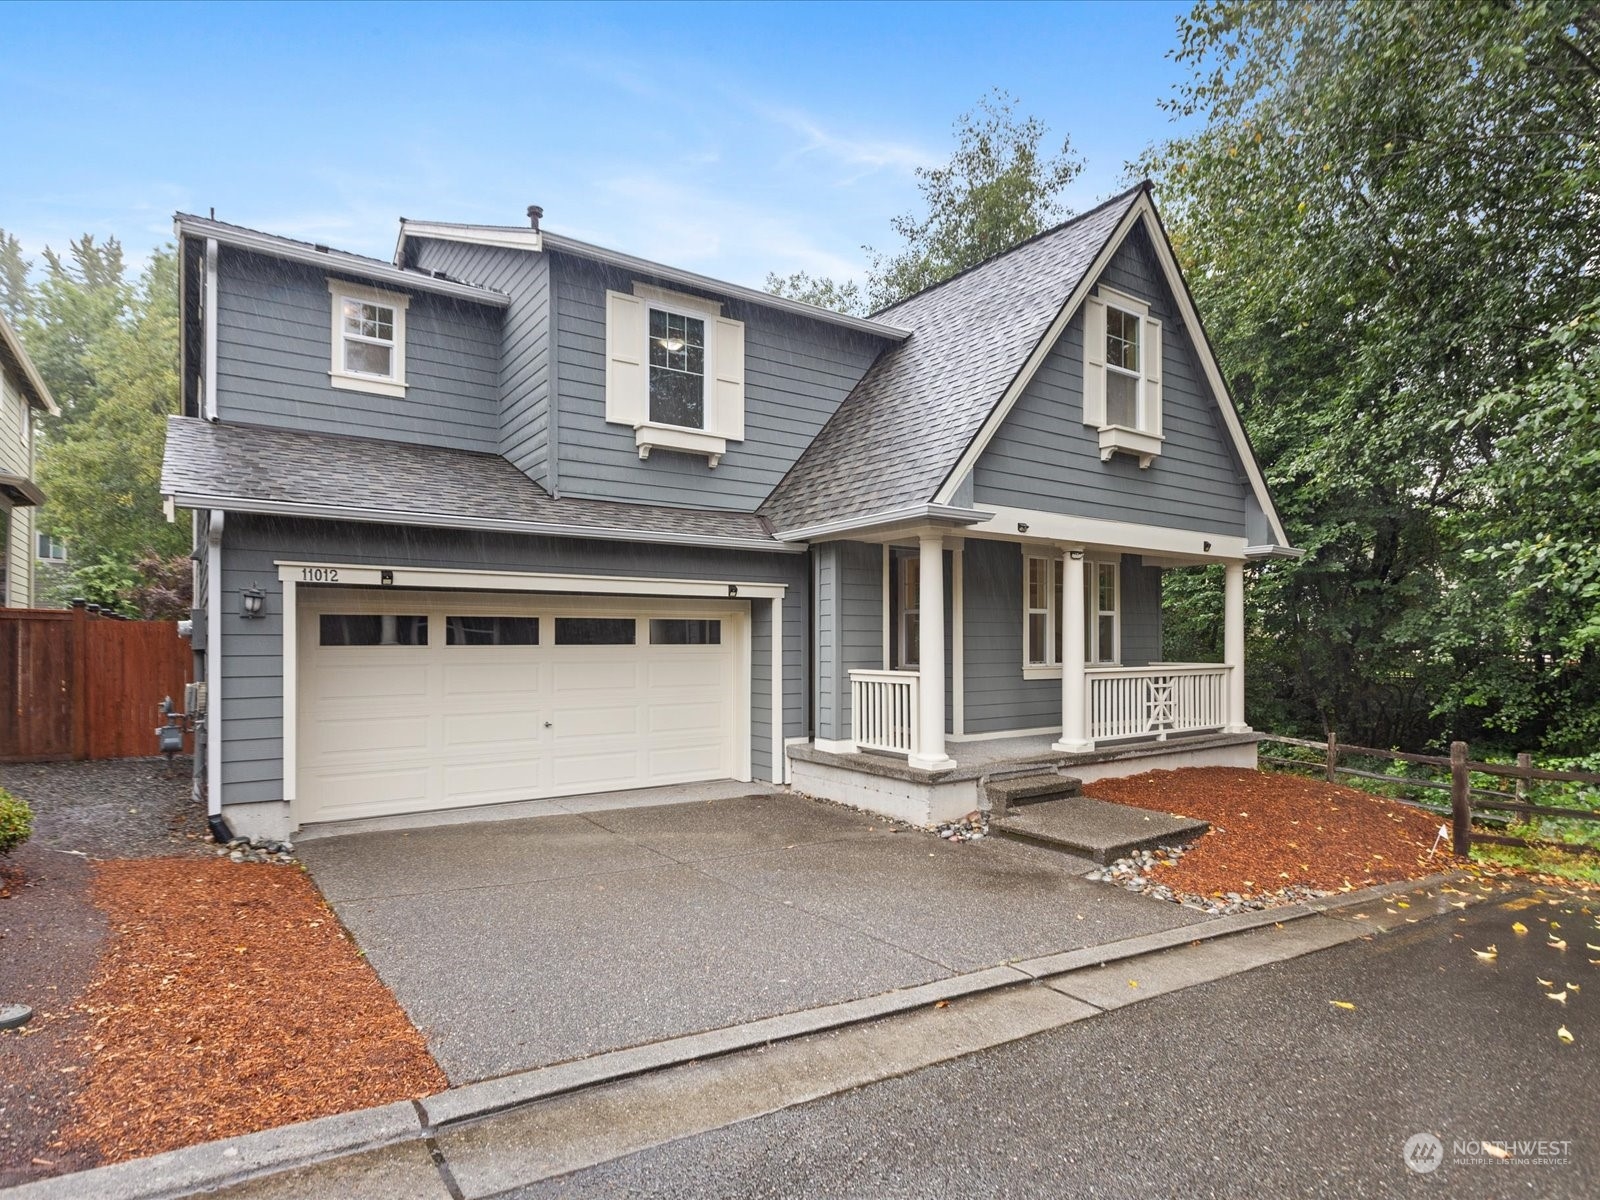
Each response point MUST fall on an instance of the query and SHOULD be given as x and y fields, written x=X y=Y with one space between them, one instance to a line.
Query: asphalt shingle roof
x=902 y=429
x=411 y=485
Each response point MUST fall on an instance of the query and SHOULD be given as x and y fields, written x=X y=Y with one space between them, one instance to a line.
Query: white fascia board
x=506 y=237
x=1142 y=209
x=380 y=516
x=898 y=516
x=1061 y=528
x=370 y=575
x=655 y=270
x=1273 y=551
x=334 y=260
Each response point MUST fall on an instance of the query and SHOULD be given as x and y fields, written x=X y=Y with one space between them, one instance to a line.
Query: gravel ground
x=121 y=808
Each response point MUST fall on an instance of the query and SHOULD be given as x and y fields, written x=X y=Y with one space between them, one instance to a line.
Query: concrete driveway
x=520 y=943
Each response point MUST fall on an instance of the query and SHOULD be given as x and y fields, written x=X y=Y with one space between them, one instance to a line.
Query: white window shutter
x=627 y=389
x=1152 y=376
x=728 y=384
x=1094 y=361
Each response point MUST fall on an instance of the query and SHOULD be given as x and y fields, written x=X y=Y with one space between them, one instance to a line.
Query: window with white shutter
x=674 y=372
x=1122 y=375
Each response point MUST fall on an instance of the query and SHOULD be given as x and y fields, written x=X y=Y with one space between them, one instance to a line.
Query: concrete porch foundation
x=885 y=784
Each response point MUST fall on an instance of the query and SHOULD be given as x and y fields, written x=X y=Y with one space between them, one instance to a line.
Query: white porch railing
x=884 y=710
x=1156 y=700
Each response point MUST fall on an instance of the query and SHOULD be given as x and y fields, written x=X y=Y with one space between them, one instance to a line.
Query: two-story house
x=22 y=394
x=515 y=516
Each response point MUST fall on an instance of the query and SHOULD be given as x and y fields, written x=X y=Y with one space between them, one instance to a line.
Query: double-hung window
x=905 y=577
x=1122 y=375
x=369 y=339
x=674 y=371
x=1044 y=614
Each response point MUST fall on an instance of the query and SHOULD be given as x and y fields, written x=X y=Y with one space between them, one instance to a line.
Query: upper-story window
x=1122 y=375
x=674 y=371
x=369 y=339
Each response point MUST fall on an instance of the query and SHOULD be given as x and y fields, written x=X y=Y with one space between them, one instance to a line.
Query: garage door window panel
x=596 y=631
x=372 y=629
x=491 y=631
x=681 y=632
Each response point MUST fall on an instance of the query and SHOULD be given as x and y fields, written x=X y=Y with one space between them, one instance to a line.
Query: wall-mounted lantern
x=252 y=603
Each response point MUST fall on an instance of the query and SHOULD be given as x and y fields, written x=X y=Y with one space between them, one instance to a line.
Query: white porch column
x=930 y=656
x=1074 y=714
x=1233 y=645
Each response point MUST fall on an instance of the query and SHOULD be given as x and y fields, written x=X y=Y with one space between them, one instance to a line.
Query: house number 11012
x=319 y=574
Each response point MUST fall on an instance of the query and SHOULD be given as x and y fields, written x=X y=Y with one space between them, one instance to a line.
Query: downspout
x=213 y=716
x=209 y=409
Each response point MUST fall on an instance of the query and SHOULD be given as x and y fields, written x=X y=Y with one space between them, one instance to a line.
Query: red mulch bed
x=1271 y=831
x=230 y=1000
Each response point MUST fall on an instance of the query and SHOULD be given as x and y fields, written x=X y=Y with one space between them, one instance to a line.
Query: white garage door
x=425 y=700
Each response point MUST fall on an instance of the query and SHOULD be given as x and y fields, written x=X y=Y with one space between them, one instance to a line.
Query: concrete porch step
x=1007 y=793
x=1095 y=829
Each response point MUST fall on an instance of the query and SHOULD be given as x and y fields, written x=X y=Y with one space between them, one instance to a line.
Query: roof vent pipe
x=534 y=213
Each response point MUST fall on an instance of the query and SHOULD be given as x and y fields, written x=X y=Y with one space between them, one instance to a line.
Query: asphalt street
x=1254 y=1085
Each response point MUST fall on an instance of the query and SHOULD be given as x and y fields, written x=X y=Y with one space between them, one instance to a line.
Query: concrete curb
x=215 y=1164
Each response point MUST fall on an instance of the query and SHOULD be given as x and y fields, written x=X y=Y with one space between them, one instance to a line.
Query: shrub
x=16 y=822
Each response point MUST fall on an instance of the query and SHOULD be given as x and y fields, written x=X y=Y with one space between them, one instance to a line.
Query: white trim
x=393 y=384
x=958 y=637
x=888 y=601
x=1141 y=209
x=1121 y=536
x=333 y=260
x=290 y=644
x=394 y=516
x=437 y=579
x=779 y=758
x=1273 y=551
x=834 y=746
x=699 y=306
x=649 y=436
x=214 y=663
x=505 y=237
x=898 y=516
x=1037 y=731
x=209 y=366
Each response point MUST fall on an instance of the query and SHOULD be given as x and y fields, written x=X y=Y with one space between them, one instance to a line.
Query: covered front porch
x=945 y=659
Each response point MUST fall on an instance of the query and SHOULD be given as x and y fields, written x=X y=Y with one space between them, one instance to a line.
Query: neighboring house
x=22 y=393
x=50 y=550
x=516 y=516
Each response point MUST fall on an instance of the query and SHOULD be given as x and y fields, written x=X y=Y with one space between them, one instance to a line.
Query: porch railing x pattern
x=1156 y=700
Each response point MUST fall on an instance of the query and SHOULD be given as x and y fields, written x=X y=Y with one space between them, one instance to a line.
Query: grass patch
x=1543 y=860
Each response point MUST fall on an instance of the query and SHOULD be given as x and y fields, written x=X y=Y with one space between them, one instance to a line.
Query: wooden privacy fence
x=80 y=684
x=1464 y=796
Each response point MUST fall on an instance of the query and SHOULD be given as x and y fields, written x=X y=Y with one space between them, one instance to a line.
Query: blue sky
x=728 y=139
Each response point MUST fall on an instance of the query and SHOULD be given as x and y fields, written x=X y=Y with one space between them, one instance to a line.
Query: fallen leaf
x=1565 y=1035
x=1558 y=997
x=1558 y=943
x=1518 y=927
x=1133 y=983
x=941 y=1004
x=1344 y=1004
x=1488 y=955
x=1572 y=987
x=1544 y=982
x=1497 y=1151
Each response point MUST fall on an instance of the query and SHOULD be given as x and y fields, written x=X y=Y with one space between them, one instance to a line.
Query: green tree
x=1002 y=185
x=1385 y=211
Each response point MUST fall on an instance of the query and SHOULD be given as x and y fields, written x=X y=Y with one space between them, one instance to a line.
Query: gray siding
x=17 y=524
x=274 y=350
x=524 y=389
x=849 y=599
x=797 y=372
x=252 y=652
x=998 y=698
x=1045 y=457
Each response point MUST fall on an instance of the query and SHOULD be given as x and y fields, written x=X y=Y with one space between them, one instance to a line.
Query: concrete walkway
x=522 y=943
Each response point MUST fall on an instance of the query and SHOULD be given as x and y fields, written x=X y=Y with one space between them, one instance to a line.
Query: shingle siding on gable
x=1045 y=457
x=797 y=373
x=524 y=387
x=273 y=354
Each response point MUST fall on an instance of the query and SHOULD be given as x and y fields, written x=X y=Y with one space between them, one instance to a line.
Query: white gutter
x=1273 y=550
x=214 y=664
x=209 y=411
x=899 y=516
x=334 y=260
x=382 y=516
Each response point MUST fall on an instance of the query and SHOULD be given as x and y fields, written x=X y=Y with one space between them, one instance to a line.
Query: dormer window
x=674 y=372
x=369 y=339
x=1122 y=375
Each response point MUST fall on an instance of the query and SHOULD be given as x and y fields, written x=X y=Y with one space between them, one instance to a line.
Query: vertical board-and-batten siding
x=1044 y=457
x=797 y=373
x=274 y=350
x=849 y=600
x=998 y=698
x=524 y=388
x=252 y=654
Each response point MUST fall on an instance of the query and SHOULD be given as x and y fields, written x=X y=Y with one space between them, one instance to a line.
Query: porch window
x=905 y=580
x=1044 y=612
